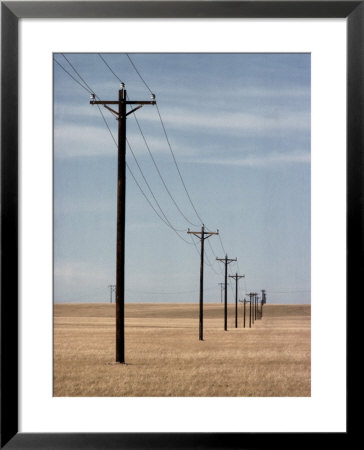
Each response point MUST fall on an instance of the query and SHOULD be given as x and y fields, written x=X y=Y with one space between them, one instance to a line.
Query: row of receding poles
x=253 y=296
x=121 y=114
x=254 y=311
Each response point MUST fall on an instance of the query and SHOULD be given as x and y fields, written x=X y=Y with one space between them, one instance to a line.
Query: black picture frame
x=11 y=12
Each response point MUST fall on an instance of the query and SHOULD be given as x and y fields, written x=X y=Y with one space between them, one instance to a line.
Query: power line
x=246 y=289
x=166 y=221
x=222 y=246
x=109 y=67
x=137 y=71
x=150 y=204
x=131 y=150
x=150 y=189
x=107 y=125
x=177 y=167
x=210 y=265
x=208 y=261
x=159 y=173
x=147 y=145
x=83 y=87
x=168 y=142
x=194 y=244
x=89 y=89
x=212 y=250
x=69 y=62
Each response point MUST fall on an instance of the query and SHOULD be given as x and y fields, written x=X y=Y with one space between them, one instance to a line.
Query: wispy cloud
x=237 y=122
x=73 y=140
x=283 y=93
x=75 y=206
x=76 y=140
x=272 y=159
x=79 y=272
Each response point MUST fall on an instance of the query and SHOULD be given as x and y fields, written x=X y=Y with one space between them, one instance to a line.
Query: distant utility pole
x=255 y=305
x=251 y=296
x=226 y=261
x=120 y=115
x=202 y=235
x=236 y=277
x=263 y=301
x=221 y=285
x=250 y=310
x=244 y=309
x=112 y=289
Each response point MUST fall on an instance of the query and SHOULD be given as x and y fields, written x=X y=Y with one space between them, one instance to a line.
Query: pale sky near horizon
x=239 y=126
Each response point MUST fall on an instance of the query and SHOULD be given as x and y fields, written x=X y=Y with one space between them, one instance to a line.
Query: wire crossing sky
x=227 y=145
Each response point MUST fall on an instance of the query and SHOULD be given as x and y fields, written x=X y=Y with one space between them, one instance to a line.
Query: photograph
x=181 y=224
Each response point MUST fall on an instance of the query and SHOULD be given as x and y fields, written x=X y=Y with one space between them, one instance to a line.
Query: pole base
x=116 y=363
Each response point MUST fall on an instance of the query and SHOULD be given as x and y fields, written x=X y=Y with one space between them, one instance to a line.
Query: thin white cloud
x=284 y=93
x=272 y=159
x=183 y=95
x=71 y=140
x=77 y=206
x=237 y=122
x=80 y=272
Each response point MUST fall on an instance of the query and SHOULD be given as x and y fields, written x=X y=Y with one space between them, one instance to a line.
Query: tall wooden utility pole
x=202 y=235
x=120 y=115
x=236 y=277
x=226 y=261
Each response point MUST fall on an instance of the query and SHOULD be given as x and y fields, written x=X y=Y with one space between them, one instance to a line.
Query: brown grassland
x=165 y=358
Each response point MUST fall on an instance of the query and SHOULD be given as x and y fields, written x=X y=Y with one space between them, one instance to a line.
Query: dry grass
x=165 y=358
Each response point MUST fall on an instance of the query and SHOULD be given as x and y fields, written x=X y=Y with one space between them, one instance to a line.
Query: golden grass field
x=165 y=358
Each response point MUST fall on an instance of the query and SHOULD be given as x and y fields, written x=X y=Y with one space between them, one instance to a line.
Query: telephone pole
x=236 y=277
x=221 y=285
x=226 y=261
x=244 y=309
x=112 y=289
x=120 y=115
x=251 y=296
x=263 y=302
x=202 y=235
x=250 y=310
x=256 y=305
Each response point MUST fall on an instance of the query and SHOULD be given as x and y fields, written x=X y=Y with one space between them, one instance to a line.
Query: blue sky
x=239 y=127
